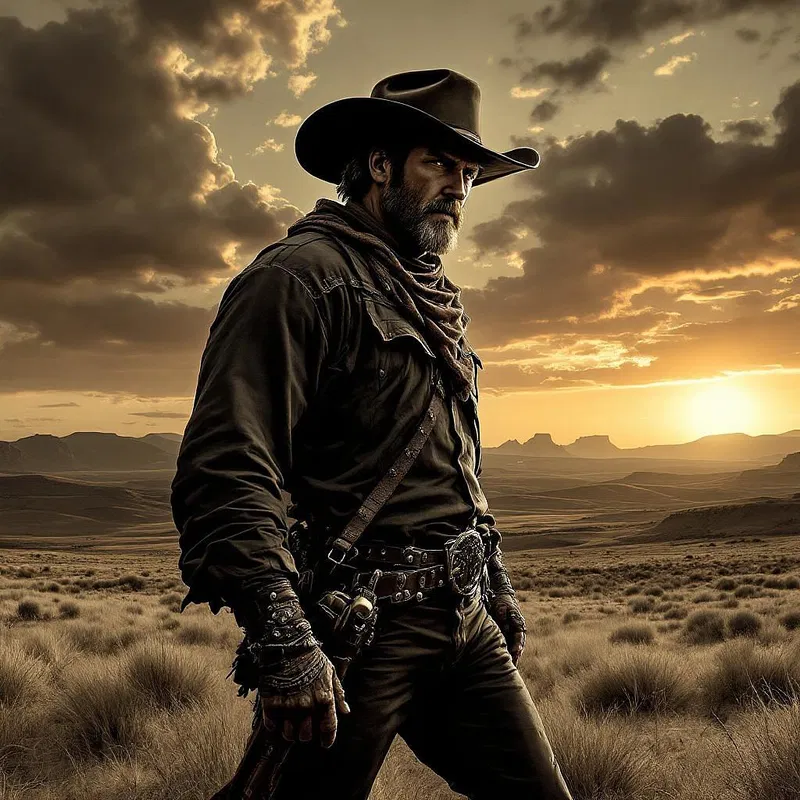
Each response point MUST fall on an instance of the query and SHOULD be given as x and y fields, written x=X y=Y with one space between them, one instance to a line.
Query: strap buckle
x=337 y=550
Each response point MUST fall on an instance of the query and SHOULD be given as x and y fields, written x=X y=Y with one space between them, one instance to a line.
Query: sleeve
x=260 y=367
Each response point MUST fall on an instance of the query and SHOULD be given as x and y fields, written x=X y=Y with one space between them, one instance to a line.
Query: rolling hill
x=89 y=450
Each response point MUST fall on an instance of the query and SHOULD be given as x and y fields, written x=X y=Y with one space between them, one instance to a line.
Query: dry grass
x=106 y=693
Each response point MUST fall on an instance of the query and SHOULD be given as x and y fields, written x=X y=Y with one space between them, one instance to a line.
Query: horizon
x=642 y=281
x=522 y=441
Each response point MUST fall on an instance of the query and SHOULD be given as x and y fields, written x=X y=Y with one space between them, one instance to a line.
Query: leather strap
x=401 y=557
x=351 y=533
x=400 y=587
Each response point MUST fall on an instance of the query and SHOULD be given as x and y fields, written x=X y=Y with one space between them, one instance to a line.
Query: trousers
x=439 y=675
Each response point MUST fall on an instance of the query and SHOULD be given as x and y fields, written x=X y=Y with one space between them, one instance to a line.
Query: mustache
x=444 y=207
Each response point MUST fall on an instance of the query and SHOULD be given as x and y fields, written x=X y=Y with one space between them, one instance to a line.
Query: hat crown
x=445 y=94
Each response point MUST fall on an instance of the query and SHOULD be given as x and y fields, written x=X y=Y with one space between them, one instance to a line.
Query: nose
x=457 y=187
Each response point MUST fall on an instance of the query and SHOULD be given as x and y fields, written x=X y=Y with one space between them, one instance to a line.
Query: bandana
x=417 y=286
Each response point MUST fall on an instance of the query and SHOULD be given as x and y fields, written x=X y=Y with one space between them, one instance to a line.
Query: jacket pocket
x=390 y=325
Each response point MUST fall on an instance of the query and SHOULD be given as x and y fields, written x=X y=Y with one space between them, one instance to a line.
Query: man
x=323 y=358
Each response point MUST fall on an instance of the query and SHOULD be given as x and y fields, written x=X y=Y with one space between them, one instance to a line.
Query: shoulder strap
x=351 y=533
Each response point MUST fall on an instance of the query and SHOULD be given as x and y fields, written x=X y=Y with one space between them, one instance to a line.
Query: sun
x=721 y=408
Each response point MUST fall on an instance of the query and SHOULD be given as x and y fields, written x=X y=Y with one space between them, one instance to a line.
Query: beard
x=413 y=222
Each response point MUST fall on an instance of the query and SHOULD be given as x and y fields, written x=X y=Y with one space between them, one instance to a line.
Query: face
x=423 y=203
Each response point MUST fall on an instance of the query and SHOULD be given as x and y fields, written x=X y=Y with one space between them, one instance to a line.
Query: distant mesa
x=510 y=446
x=89 y=450
x=720 y=447
x=593 y=447
x=540 y=445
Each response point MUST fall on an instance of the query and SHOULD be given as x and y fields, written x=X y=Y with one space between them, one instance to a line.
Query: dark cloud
x=111 y=189
x=745 y=129
x=748 y=34
x=629 y=21
x=544 y=111
x=576 y=74
x=662 y=205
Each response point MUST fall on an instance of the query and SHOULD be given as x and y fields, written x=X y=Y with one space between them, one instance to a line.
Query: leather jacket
x=310 y=382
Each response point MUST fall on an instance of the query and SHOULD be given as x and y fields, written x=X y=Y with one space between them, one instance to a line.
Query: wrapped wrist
x=499 y=579
x=273 y=619
x=293 y=674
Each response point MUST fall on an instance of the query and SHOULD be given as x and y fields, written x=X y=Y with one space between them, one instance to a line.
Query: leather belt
x=405 y=585
x=401 y=557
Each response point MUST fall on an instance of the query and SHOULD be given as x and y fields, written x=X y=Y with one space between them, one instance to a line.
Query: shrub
x=570 y=617
x=703 y=597
x=600 y=759
x=676 y=612
x=93 y=638
x=767 y=762
x=29 y=610
x=639 y=681
x=744 y=623
x=653 y=591
x=704 y=627
x=745 y=675
x=791 y=620
x=165 y=677
x=197 y=633
x=134 y=583
x=96 y=714
x=746 y=591
x=635 y=633
x=725 y=584
x=791 y=582
x=641 y=605
x=172 y=601
x=69 y=610
x=21 y=677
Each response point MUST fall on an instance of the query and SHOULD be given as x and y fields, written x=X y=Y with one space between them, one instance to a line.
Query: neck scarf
x=417 y=286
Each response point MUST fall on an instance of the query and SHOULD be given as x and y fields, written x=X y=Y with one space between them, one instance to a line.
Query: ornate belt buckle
x=464 y=556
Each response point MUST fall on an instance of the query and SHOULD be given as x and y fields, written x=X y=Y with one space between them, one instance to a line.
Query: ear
x=380 y=167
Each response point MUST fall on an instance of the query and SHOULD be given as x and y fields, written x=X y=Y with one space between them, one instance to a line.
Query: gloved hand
x=297 y=683
x=503 y=606
x=316 y=696
x=505 y=611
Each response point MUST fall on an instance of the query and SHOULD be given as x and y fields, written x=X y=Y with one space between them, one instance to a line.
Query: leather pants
x=438 y=674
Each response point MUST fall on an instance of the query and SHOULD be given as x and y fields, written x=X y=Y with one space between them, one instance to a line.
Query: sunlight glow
x=721 y=408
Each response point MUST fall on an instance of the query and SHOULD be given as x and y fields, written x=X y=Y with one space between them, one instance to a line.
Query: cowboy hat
x=439 y=103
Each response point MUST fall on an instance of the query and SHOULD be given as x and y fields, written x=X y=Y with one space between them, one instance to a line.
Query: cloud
x=745 y=129
x=673 y=64
x=300 y=84
x=575 y=74
x=519 y=93
x=286 y=120
x=544 y=111
x=269 y=144
x=647 y=237
x=120 y=195
x=629 y=22
x=681 y=37
x=748 y=34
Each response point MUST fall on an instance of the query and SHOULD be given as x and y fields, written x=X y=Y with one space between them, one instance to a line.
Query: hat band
x=469 y=134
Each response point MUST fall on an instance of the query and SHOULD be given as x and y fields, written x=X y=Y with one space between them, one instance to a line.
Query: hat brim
x=330 y=136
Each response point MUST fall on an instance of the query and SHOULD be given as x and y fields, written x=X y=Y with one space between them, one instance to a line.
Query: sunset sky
x=643 y=282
